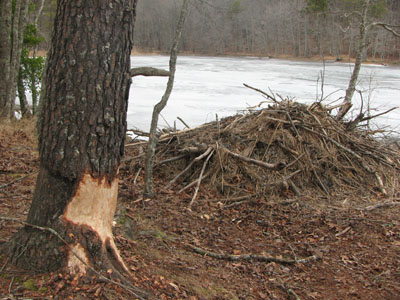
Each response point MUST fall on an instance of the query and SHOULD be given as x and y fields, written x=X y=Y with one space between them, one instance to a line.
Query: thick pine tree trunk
x=82 y=126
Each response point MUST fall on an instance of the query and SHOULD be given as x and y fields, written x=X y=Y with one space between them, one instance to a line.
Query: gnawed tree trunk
x=82 y=129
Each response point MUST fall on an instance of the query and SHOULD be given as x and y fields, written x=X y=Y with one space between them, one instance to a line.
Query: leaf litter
x=287 y=181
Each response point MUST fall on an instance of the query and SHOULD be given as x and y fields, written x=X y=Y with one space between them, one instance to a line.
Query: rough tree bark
x=82 y=129
x=5 y=49
x=10 y=53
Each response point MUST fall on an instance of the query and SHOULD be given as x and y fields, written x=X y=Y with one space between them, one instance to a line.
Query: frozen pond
x=206 y=86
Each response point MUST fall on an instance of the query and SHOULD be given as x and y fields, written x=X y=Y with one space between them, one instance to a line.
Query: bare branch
x=388 y=27
x=149 y=71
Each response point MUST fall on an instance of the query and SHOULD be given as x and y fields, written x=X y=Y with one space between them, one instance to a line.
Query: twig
x=294 y=188
x=381 y=205
x=251 y=257
x=192 y=183
x=288 y=290
x=378 y=115
x=10 y=285
x=137 y=175
x=16 y=180
x=199 y=180
x=183 y=122
x=233 y=199
x=334 y=142
x=316 y=174
x=275 y=166
x=188 y=167
x=262 y=92
x=172 y=159
x=129 y=159
x=55 y=233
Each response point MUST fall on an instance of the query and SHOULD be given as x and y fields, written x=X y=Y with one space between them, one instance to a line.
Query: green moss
x=29 y=285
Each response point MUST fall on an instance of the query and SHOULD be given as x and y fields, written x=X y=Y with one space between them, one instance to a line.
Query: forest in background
x=294 y=28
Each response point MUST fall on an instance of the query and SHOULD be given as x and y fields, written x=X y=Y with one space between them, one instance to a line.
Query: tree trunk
x=153 y=138
x=357 y=65
x=82 y=127
x=5 y=50
x=23 y=102
x=18 y=26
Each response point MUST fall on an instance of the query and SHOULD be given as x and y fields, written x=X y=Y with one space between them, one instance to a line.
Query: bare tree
x=153 y=138
x=12 y=24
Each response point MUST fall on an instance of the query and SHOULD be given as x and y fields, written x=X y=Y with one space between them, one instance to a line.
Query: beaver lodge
x=285 y=150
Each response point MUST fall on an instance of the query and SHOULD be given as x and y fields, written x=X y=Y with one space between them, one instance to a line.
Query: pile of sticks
x=287 y=149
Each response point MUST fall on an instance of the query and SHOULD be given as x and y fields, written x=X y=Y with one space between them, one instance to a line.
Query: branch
x=16 y=180
x=260 y=163
x=262 y=92
x=252 y=257
x=382 y=205
x=148 y=71
x=199 y=180
x=388 y=27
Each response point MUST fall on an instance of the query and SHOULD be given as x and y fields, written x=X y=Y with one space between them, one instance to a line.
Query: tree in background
x=30 y=71
x=12 y=25
x=82 y=128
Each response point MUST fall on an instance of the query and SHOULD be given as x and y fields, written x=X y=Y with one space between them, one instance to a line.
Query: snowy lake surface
x=206 y=86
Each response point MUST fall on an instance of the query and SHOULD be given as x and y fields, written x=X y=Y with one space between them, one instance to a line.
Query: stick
x=137 y=175
x=192 y=183
x=183 y=122
x=199 y=180
x=233 y=199
x=278 y=165
x=378 y=115
x=251 y=257
x=334 y=142
x=172 y=159
x=55 y=233
x=381 y=205
x=188 y=167
x=262 y=92
x=16 y=180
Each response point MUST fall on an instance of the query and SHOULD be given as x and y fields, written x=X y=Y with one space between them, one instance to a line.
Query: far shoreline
x=316 y=58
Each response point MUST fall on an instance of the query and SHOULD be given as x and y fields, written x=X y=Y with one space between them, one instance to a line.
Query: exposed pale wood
x=129 y=288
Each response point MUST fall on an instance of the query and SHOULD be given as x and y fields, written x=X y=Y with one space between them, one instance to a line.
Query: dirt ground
x=349 y=252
